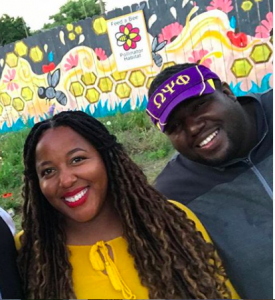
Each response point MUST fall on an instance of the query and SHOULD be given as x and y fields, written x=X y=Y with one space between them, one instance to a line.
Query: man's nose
x=67 y=178
x=194 y=124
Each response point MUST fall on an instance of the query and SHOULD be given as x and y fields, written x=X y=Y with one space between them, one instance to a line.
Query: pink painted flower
x=170 y=32
x=100 y=53
x=72 y=62
x=265 y=30
x=224 y=5
x=197 y=56
x=9 y=80
x=128 y=36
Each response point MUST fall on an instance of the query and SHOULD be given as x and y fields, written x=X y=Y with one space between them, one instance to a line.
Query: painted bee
x=156 y=47
x=50 y=93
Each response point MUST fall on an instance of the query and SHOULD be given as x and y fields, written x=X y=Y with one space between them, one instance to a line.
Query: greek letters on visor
x=191 y=82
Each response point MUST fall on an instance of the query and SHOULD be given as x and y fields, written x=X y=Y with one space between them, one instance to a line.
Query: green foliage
x=12 y=29
x=145 y=144
x=73 y=11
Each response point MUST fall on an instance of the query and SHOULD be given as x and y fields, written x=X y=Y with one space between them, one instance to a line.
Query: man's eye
x=173 y=127
x=199 y=105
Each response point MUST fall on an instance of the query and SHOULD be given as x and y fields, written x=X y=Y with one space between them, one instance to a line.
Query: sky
x=36 y=12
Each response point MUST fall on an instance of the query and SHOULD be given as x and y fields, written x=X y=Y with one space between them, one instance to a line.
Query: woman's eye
x=46 y=172
x=77 y=159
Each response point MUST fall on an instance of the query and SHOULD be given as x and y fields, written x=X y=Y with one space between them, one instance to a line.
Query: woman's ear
x=227 y=91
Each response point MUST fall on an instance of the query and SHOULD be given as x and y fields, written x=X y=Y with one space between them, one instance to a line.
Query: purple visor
x=191 y=82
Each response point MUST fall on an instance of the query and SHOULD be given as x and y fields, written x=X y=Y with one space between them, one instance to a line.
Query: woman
x=94 y=228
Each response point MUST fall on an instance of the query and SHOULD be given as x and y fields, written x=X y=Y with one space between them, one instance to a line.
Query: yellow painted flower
x=72 y=36
x=78 y=29
x=70 y=27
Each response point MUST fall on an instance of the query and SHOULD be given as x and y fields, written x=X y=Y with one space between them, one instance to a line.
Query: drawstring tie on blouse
x=99 y=265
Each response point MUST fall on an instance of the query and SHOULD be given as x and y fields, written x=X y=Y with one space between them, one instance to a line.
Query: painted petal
x=6 y=81
x=137 y=39
x=129 y=42
x=132 y=35
x=7 y=77
x=266 y=24
x=121 y=28
x=126 y=31
x=269 y=18
x=135 y=30
x=118 y=35
x=120 y=43
x=134 y=45
x=129 y=26
x=11 y=87
x=16 y=86
x=126 y=47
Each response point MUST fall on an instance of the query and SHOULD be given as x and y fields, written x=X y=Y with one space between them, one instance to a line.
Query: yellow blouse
x=97 y=276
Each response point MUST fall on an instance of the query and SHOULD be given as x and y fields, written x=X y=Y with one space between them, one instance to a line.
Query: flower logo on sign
x=128 y=36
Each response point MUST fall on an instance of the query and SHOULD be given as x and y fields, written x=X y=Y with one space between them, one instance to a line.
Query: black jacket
x=235 y=204
x=10 y=285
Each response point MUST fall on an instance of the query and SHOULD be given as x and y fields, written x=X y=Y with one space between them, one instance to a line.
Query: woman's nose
x=67 y=178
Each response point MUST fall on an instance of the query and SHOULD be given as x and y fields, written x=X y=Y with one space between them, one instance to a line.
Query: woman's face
x=72 y=175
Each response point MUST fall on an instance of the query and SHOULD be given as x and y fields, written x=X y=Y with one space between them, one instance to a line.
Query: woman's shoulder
x=17 y=240
x=194 y=218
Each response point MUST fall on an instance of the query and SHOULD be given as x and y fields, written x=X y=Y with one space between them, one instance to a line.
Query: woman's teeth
x=77 y=196
x=208 y=139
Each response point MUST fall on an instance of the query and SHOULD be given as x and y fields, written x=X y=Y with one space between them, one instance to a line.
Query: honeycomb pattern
x=11 y=60
x=88 y=78
x=123 y=90
x=261 y=53
x=21 y=49
x=5 y=99
x=99 y=26
x=119 y=76
x=241 y=67
x=137 y=78
x=1 y=109
x=247 y=5
x=271 y=39
x=149 y=81
x=36 y=54
x=76 y=89
x=92 y=95
x=167 y=65
x=27 y=94
x=105 y=84
x=18 y=104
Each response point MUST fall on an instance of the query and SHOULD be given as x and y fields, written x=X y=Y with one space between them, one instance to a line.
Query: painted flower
x=128 y=36
x=7 y=195
x=9 y=80
x=266 y=29
x=100 y=53
x=224 y=5
x=170 y=32
x=197 y=56
x=72 y=62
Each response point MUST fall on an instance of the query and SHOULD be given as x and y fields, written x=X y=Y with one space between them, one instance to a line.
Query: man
x=223 y=171
x=10 y=286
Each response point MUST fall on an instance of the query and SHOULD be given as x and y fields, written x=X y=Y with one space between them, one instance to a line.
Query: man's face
x=207 y=129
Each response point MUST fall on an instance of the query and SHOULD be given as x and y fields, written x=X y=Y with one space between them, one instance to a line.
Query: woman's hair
x=171 y=257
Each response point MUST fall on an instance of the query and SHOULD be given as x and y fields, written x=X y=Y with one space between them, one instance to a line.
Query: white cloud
x=35 y=12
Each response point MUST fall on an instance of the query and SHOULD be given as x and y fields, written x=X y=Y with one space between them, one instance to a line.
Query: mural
x=72 y=67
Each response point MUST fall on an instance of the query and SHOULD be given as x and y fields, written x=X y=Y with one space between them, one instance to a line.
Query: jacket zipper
x=260 y=177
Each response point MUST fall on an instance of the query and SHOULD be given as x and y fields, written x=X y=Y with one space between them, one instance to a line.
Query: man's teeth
x=77 y=196
x=209 y=138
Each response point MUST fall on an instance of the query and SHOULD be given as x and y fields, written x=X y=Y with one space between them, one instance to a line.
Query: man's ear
x=227 y=91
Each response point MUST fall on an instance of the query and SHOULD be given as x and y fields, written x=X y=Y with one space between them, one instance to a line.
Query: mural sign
x=77 y=67
x=129 y=41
